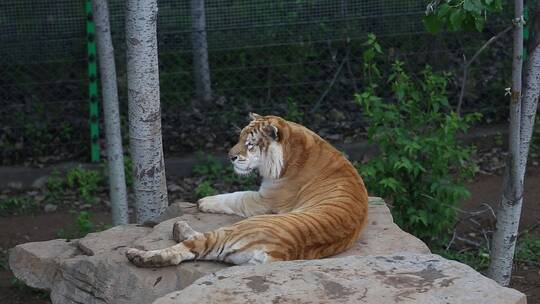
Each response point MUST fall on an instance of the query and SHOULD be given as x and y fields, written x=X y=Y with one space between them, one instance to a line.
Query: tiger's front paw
x=137 y=257
x=213 y=204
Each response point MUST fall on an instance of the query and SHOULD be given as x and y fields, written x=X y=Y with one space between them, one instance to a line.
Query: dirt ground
x=40 y=227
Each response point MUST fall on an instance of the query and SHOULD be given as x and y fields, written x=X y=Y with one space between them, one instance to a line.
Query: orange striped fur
x=311 y=204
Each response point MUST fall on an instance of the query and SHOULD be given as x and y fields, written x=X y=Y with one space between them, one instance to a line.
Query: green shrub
x=477 y=259
x=205 y=189
x=128 y=170
x=294 y=113
x=208 y=166
x=86 y=181
x=420 y=168
x=213 y=172
x=81 y=227
x=55 y=186
x=17 y=205
x=528 y=249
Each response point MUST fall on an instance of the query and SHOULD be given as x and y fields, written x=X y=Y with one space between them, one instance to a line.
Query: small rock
x=15 y=185
x=333 y=136
x=337 y=115
x=40 y=182
x=220 y=100
x=50 y=208
x=85 y=206
x=174 y=187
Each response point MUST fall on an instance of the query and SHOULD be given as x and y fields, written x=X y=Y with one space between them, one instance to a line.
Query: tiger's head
x=259 y=147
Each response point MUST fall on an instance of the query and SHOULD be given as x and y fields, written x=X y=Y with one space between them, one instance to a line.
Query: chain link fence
x=301 y=59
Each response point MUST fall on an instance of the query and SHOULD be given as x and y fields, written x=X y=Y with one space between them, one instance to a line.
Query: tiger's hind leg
x=182 y=231
x=227 y=244
x=169 y=256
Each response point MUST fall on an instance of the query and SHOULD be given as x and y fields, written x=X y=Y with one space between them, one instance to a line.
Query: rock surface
x=399 y=278
x=37 y=263
x=94 y=270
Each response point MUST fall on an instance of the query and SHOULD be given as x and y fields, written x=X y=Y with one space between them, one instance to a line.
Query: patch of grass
x=208 y=166
x=4 y=260
x=55 y=186
x=477 y=259
x=128 y=172
x=212 y=172
x=86 y=181
x=81 y=227
x=17 y=205
x=498 y=139
x=528 y=249
x=205 y=189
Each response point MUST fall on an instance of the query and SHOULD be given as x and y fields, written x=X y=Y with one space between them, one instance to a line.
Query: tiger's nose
x=233 y=157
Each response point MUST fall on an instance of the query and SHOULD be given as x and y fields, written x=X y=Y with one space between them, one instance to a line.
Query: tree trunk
x=509 y=212
x=144 y=109
x=200 y=51
x=531 y=89
x=113 y=136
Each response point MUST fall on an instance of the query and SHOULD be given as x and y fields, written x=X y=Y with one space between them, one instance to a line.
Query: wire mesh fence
x=301 y=59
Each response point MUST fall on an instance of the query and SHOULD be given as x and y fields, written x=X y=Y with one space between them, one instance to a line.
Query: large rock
x=400 y=278
x=37 y=263
x=94 y=269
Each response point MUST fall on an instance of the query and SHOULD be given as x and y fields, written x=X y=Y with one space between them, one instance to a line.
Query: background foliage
x=420 y=166
x=303 y=59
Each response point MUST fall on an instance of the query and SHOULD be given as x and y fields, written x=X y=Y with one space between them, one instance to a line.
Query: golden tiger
x=311 y=203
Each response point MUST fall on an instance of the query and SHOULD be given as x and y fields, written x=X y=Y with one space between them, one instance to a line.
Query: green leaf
x=432 y=23
x=473 y=6
x=390 y=183
x=479 y=22
x=443 y=10
x=423 y=217
x=456 y=19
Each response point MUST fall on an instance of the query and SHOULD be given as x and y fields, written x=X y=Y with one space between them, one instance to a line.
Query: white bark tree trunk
x=144 y=109
x=522 y=112
x=201 y=67
x=113 y=136
x=531 y=89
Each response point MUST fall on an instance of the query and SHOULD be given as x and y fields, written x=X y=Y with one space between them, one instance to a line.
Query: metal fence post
x=92 y=83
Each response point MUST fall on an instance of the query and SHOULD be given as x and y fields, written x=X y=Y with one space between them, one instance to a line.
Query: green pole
x=92 y=83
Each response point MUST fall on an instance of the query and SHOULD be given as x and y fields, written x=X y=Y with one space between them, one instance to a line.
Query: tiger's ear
x=254 y=116
x=271 y=131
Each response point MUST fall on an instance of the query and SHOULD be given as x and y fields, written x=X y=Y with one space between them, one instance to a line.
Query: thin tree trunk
x=509 y=211
x=113 y=136
x=144 y=109
x=200 y=51
x=531 y=89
